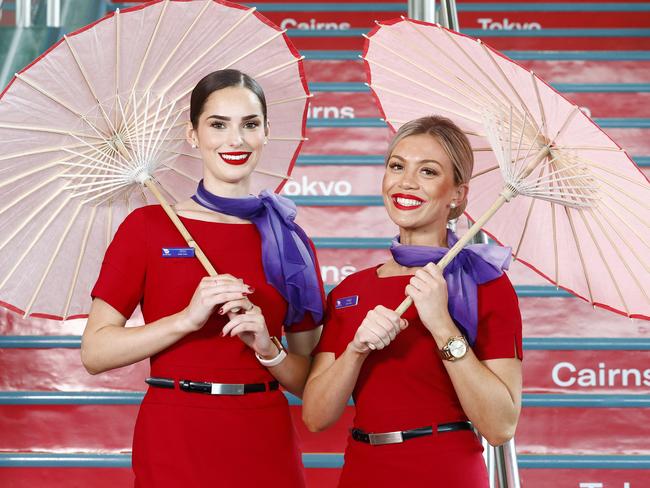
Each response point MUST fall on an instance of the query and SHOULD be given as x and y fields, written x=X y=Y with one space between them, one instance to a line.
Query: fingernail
x=221 y=311
x=251 y=289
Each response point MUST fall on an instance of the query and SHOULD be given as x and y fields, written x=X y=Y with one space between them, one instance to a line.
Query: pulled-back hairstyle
x=454 y=142
x=218 y=80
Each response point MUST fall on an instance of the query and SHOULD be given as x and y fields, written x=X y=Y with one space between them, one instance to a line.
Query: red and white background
x=586 y=416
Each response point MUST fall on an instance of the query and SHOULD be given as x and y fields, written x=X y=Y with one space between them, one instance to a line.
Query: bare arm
x=106 y=344
x=292 y=372
x=331 y=381
x=489 y=391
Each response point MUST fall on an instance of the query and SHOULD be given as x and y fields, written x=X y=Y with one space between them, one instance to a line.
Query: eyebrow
x=223 y=117
x=423 y=161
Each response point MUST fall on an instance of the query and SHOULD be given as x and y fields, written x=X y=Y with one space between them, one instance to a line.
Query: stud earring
x=194 y=146
x=453 y=205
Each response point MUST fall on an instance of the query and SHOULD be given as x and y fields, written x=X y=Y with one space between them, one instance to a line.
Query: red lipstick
x=235 y=158
x=402 y=201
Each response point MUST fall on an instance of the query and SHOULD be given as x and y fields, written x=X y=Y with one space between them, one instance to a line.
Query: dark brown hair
x=218 y=80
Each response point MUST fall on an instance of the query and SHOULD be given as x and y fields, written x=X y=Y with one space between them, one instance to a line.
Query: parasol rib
x=205 y=53
x=32 y=84
x=555 y=252
x=29 y=218
x=487 y=51
x=279 y=67
x=539 y=100
x=289 y=100
x=29 y=193
x=565 y=124
x=622 y=191
x=589 y=148
x=480 y=70
x=627 y=242
x=485 y=171
x=401 y=122
x=178 y=45
x=145 y=56
x=602 y=257
x=55 y=254
x=42 y=151
x=117 y=66
x=490 y=98
x=635 y=213
x=82 y=250
x=523 y=232
x=424 y=102
x=109 y=224
x=480 y=101
x=630 y=227
x=88 y=83
x=426 y=87
x=579 y=249
x=590 y=163
x=50 y=130
x=259 y=46
x=26 y=250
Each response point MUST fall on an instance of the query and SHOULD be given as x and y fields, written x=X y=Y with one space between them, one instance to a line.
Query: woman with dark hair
x=213 y=415
x=421 y=382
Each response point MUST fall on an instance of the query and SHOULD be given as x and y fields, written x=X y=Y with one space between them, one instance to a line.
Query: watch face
x=457 y=349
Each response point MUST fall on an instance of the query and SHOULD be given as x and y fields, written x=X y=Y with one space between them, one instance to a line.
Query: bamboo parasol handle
x=151 y=185
x=504 y=197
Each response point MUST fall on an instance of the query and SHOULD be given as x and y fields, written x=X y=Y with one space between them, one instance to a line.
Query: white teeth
x=231 y=157
x=408 y=202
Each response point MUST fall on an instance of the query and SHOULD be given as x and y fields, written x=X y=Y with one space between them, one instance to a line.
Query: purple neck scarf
x=287 y=257
x=473 y=265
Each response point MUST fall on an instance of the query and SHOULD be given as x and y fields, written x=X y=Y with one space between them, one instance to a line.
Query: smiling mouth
x=406 y=202
x=235 y=158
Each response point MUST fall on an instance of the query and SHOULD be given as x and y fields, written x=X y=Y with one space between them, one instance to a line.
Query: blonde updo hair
x=454 y=142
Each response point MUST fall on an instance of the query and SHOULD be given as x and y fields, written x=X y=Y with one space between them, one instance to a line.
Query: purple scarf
x=287 y=257
x=474 y=265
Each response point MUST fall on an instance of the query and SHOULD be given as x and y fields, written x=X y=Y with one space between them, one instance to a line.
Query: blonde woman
x=453 y=361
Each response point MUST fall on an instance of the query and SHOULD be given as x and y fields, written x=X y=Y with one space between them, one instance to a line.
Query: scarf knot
x=473 y=265
x=287 y=257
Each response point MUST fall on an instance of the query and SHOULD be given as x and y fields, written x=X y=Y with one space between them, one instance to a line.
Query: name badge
x=177 y=252
x=347 y=302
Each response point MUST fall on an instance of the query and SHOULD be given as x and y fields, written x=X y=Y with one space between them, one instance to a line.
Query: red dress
x=406 y=386
x=193 y=440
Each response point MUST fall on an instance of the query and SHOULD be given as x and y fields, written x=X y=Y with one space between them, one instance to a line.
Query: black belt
x=377 y=439
x=214 y=388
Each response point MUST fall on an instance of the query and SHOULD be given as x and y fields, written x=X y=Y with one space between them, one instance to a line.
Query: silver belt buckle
x=386 y=438
x=226 y=389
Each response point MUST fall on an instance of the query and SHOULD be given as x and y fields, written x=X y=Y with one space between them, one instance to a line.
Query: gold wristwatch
x=455 y=349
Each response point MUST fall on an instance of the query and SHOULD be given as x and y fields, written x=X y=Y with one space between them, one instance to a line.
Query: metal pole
x=422 y=10
x=23 y=13
x=449 y=14
x=53 y=13
x=490 y=463
x=510 y=462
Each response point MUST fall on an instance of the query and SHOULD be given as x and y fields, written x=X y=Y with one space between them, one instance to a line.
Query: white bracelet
x=277 y=359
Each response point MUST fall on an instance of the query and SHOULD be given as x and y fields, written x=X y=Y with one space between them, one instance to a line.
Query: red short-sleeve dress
x=405 y=386
x=193 y=439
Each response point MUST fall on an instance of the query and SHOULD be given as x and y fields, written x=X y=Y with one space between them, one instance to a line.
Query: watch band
x=282 y=353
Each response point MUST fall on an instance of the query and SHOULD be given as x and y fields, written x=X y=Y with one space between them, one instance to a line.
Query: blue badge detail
x=347 y=301
x=177 y=252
